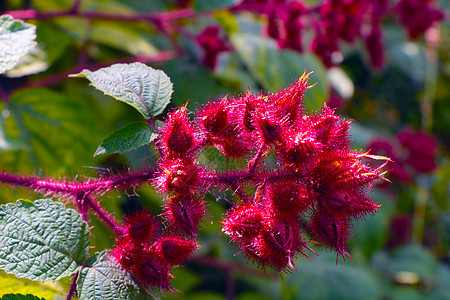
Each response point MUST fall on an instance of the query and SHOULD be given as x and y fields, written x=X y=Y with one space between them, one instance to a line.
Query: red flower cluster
x=149 y=257
x=300 y=169
x=419 y=154
x=333 y=21
x=179 y=176
x=212 y=45
x=417 y=16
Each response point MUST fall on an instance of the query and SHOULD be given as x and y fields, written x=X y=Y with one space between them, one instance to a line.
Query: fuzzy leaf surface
x=104 y=279
x=146 y=89
x=130 y=137
x=16 y=39
x=43 y=240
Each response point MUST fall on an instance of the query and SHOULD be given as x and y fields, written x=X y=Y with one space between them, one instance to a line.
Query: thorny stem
x=255 y=161
x=81 y=206
x=73 y=287
x=63 y=187
x=99 y=211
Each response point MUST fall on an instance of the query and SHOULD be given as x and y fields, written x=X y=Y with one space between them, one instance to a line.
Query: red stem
x=73 y=287
x=61 y=187
x=104 y=216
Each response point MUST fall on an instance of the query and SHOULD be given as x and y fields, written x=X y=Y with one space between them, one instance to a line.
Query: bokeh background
x=388 y=73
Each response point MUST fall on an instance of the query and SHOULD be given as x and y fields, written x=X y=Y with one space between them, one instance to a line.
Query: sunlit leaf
x=146 y=89
x=128 y=138
x=43 y=240
x=16 y=39
x=104 y=279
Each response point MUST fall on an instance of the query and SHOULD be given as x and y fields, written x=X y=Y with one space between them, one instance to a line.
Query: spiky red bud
x=178 y=136
x=177 y=175
x=269 y=128
x=184 y=213
x=152 y=270
x=330 y=130
x=174 y=249
x=245 y=220
x=297 y=149
x=214 y=118
x=331 y=230
x=287 y=199
x=140 y=227
x=125 y=253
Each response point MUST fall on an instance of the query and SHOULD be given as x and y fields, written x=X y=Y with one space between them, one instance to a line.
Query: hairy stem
x=73 y=287
x=49 y=186
x=104 y=216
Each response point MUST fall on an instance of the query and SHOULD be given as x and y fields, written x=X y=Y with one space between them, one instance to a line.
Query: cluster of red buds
x=299 y=173
x=417 y=16
x=331 y=21
x=147 y=256
x=413 y=152
x=212 y=44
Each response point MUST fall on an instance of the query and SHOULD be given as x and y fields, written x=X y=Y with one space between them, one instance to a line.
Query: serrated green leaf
x=16 y=39
x=146 y=89
x=127 y=138
x=274 y=68
x=20 y=297
x=214 y=4
x=104 y=279
x=43 y=240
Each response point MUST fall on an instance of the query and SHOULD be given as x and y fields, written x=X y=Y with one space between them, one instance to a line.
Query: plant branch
x=104 y=216
x=73 y=287
x=61 y=187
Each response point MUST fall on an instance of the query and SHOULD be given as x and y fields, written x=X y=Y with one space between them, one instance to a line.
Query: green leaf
x=146 y=89
x=214 y=4
x=43 y=240
x=16 y=39
x=127 y=138
x=274 y=68
x=20 y=297
x=104 y=279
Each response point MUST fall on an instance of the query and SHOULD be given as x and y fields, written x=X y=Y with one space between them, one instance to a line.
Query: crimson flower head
x=212 y=44
x=178 y=138
x=294 y=174
x=422 y=149
x=140 y=227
